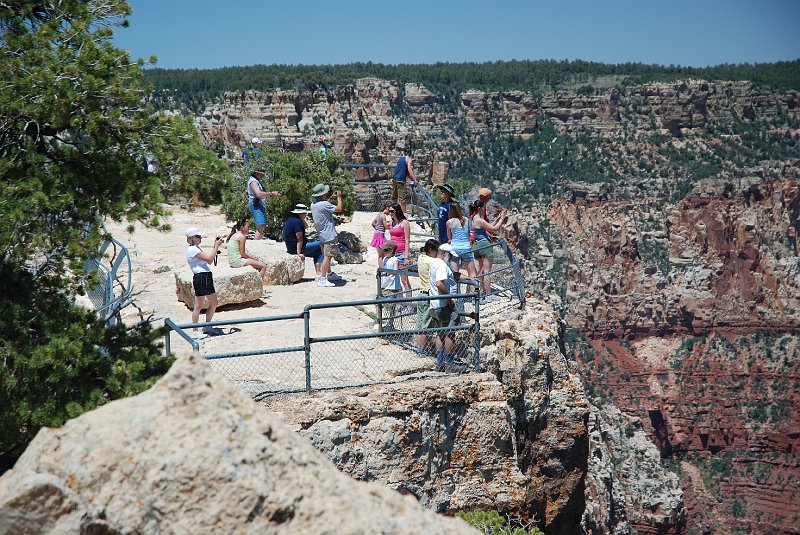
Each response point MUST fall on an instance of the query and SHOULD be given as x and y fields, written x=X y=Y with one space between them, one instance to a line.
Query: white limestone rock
x=194 y=455
x=233 y=285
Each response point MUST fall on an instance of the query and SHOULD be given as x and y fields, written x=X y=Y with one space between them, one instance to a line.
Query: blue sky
x=206 y=33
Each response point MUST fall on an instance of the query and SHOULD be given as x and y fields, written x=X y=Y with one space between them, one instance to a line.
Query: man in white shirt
x=443 y=311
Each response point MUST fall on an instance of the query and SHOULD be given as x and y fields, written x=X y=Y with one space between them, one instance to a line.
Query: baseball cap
x=194 y=231
x=484 y=192
x=255 y=140
x=448 y=248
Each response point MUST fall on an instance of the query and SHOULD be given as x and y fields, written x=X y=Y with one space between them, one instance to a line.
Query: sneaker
x=197 y=335
x=334 y=277
x=322 y=281
x=334 y=262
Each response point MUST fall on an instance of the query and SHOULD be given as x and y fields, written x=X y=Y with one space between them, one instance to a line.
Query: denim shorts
x=259 y=212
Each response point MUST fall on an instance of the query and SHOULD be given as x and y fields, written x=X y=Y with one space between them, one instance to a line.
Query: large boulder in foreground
x=194 y=455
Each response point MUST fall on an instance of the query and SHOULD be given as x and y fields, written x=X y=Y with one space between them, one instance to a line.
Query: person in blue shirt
x=294 y=236
x=446 y=193
x=402 y=178
x=253 y=151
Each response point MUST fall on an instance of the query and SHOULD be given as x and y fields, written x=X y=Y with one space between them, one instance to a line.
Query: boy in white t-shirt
x=443 y=311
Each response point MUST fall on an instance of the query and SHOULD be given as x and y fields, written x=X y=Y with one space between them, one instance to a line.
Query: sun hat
x=484 y=192
x=448 y=188
x=300 y=209
x=256 y=141
x=320 y=190
x=448 y=248
x=258 y=172
x=194 y=231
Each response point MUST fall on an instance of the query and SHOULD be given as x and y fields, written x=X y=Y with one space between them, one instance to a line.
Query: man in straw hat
x=322 y=212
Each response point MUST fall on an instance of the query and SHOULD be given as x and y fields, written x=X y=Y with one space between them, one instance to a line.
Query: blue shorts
x=400 y=257
x=464 y=255
x=259 y=212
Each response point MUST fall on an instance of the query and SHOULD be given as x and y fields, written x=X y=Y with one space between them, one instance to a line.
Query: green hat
x=320 y=190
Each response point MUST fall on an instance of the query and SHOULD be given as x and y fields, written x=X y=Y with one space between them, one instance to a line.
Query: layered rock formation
x=690 y=314
x=514 y=439
x=193 y=455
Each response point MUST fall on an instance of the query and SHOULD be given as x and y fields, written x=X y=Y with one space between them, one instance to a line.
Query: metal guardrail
x=323 y=358
x=111 y=265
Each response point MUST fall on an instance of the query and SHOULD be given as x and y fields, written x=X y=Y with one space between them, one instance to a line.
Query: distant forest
x=192 y=87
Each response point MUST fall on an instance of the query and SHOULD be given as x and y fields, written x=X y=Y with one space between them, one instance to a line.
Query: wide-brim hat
x=194 y=231
x=320 y=190
x=300 y=209
x=484 y=192
x=448 y=188
x=448 y=248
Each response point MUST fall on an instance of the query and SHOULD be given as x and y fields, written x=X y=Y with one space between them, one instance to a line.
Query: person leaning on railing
x=443 y=311
x=482 y=247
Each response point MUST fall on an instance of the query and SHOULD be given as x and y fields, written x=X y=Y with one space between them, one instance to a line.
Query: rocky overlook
x=660 y=218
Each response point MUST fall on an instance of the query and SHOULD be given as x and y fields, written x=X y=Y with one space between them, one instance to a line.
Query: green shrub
x=491 y=523
x=294 y=175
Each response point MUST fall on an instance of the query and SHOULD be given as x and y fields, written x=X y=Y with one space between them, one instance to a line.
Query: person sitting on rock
x=294 y=236
x=237 y=251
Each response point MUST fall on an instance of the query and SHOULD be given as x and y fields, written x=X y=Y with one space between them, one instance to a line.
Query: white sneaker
x=334 y=262
x=197 y=335
x=322 y=281
x=334 y=277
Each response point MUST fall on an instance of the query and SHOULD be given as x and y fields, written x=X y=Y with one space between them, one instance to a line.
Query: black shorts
x=203 y=284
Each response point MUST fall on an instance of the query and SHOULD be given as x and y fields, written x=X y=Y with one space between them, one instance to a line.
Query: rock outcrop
x=194 y=455
x=514 y=439
x=627 y=489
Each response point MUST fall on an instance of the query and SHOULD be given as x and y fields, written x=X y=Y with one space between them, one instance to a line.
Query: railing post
x=477 y=362
x=307 y=346
x=167 y=345
x=380 y=306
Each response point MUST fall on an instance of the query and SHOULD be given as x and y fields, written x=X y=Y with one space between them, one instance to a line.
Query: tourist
x=202 y=279
x=400 y=233
x=424 y=320
x=402 y=178
x=482 y=248
x=380 y=223
x=446 y=193
x=484 y=196
x=256 y=195
x=237 y=251
x=294 y=236
x=443 y=311
x=323 y=148
x=252 y=151
x=390 y=282
x=322 y=212
x=458 y=229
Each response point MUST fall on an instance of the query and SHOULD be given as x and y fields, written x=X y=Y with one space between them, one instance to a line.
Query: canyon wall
x=676 y=267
